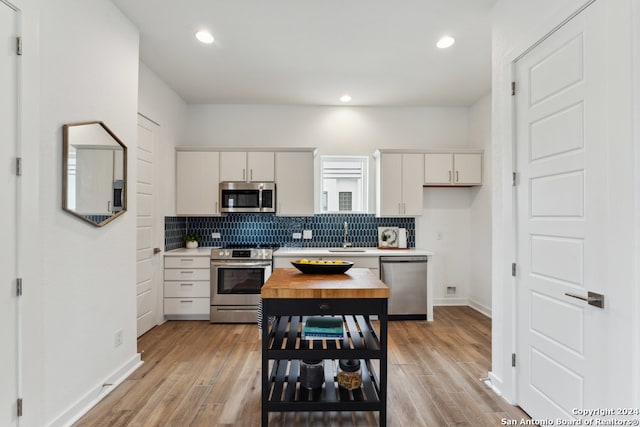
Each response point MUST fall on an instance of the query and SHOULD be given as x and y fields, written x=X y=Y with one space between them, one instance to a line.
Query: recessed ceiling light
x=204 y=36
x=345 y=98
x=445 y=42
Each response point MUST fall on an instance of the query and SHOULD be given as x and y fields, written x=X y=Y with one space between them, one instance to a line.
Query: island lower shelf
x=285 y=392
x=283 y=348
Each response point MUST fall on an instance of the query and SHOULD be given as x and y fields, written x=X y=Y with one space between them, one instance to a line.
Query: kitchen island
x=289 y=299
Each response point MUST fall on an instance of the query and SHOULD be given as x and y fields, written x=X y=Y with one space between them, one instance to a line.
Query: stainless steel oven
x=237 y=276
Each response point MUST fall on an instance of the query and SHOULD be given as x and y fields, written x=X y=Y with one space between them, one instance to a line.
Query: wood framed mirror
x=94 y=173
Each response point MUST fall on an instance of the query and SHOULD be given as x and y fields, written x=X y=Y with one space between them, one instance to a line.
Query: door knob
x=592 y=298
x=156 y=251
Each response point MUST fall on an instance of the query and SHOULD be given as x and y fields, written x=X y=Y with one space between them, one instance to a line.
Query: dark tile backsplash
x=272 y=229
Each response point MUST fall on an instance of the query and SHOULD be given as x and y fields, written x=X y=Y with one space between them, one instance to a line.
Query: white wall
x=83 y=66
x=518 y=24
x=480 y=224
x=360 y=131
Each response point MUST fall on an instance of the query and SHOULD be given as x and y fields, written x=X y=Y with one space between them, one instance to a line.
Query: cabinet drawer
x=187 y=289
x=186 y=274
x=187 y=306
x=187 y=262
x=358 y=262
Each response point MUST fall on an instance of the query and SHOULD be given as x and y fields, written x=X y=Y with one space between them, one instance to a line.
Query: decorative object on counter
x=388 y=237
x=323 y=327
x=94 y=173
x=402 y=238
x=192 y=240
x=321 y=266
x=349 y=374
x=311 y=374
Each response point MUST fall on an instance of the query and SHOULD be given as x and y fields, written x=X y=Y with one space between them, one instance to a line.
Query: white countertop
x=368 y=252
x=310 y=252
x=203 y=251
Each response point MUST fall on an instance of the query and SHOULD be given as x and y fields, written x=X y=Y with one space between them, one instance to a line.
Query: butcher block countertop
x=355 y=283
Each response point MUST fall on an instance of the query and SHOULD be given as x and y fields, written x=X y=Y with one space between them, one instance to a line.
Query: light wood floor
x=199 y=374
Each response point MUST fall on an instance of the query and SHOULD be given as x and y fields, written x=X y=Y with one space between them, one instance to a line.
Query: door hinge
x=513 y=360
x=514 y=179
x=513 y=88
x=18 y=46
x=19 y=166
x=513 y=269
x=19 y=286
x=19 y=407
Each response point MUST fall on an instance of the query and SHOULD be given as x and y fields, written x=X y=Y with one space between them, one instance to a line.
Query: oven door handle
x=240 y=264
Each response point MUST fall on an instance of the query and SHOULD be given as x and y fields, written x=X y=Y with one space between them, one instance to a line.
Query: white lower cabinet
x=187 y=287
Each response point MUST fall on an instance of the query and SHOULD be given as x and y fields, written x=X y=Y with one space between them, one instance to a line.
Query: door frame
x=504 y=334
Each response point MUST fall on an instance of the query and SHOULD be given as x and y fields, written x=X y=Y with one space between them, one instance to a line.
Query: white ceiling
x=304 y=52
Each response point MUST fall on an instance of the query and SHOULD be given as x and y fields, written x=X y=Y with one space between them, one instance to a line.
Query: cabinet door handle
x=324 y=306
x=449 y=176
x=457 y=177
x=186 y=284
x=244 y=174
x=186 y=272
x=251 y=174
x=186 y=300
x=216 y=208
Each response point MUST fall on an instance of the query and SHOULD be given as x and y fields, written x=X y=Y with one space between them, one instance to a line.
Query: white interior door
x=148 y=292
x=561 y=147
x=9 y=218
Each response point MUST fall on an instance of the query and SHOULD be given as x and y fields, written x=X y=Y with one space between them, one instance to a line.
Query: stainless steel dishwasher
x=406 y=277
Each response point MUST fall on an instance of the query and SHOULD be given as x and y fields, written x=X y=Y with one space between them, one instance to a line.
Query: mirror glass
x=94 y=173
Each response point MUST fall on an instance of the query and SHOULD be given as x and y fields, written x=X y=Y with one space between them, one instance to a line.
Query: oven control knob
x=221 y=253
x=227 y=253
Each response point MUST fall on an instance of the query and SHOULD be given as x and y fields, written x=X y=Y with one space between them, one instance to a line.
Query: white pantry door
x=9 y=316
x=560 y=145
x=148 y=292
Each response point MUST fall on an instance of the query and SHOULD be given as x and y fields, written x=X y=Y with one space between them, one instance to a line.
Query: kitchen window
x=344 y=183
x=345 y=201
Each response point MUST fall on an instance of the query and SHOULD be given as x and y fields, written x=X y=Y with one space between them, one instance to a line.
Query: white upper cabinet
x=399 y=179
x=468 y=169
x=463 y=169
x=252 y=166
x=294 y=183
x=197 y=184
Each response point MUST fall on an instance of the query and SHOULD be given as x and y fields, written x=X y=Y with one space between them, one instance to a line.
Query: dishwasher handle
x=399 y=259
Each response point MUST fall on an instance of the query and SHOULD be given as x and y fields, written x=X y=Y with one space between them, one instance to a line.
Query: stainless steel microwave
x=247 y=197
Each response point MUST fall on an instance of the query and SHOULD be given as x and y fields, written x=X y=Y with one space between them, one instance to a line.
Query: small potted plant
x=192 y=240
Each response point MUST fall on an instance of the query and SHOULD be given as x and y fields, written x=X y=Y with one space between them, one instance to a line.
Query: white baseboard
x=451 y=301
x=496 y=386
x=96 y=394
x=483 y=309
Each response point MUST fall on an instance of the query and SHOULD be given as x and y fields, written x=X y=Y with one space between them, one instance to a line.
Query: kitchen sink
x=347 y=249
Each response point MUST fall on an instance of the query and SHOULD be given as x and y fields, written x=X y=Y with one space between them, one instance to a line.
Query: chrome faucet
x=345 y=242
